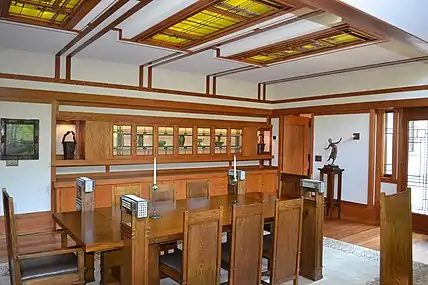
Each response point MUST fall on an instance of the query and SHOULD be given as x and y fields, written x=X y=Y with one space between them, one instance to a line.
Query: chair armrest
x=36 y=234
x=50 y=253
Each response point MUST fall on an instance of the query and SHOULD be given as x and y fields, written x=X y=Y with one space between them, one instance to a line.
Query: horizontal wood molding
x=360 y=213
x=151 y=120
x=107 y=101
x=120 y=86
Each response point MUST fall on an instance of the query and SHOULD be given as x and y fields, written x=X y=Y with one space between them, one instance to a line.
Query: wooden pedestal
x=332 y=172
x=312 y=236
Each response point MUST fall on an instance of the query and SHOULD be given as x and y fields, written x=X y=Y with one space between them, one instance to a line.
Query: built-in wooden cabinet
x=118 y=140
x=65 y=192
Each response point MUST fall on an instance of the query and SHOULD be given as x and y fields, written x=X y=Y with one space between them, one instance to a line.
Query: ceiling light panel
x=210 y=22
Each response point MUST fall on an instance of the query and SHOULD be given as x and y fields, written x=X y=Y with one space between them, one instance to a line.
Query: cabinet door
x=67 y=199
x=253 y=182
x=98 y=140
x=218 y=186
x=269 y=182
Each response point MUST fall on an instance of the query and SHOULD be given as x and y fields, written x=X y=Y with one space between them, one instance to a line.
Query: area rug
x=344 y=263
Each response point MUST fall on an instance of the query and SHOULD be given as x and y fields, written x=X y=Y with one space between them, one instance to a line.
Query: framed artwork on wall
x=19 y=139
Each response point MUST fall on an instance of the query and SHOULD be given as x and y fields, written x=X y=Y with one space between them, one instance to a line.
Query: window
x=122 y=140
x=389 y=139
x=411 y=136
x=144 y=140
x=335 y=38
x=209 y=22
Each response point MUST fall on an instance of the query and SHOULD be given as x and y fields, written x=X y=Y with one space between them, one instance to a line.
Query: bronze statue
x=333 y=153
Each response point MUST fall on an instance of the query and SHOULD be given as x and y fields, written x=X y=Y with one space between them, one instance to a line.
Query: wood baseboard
x=360 y=213
x=30 y=223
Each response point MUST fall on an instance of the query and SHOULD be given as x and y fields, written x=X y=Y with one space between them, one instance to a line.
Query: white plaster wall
x=353 y=155
x=167 y=79
x=26 y=63
x=388 y=188
x=29 y=183
x=102 y=71
x=231 y=87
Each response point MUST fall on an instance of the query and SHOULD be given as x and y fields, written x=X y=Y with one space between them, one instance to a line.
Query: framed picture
x=19 y=139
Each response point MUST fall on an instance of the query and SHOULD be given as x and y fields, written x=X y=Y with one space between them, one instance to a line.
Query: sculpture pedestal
x=331 y=171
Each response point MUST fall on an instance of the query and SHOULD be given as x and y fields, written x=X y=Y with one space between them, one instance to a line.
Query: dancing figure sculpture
x=333 y=153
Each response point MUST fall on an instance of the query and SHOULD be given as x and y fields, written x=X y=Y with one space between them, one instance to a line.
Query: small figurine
x=333 y=153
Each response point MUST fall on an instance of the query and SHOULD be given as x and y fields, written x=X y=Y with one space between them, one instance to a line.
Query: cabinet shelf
x=161 y=159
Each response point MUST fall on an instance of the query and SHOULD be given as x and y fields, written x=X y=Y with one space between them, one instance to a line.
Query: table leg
x=64 y=238
x=89 y=265
x=154 y=278
x=110 y=267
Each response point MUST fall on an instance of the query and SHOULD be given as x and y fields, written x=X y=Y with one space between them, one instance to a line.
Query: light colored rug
x=344 y=263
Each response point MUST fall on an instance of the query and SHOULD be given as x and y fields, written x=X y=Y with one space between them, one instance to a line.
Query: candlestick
x=234 y=166
x=154 y=171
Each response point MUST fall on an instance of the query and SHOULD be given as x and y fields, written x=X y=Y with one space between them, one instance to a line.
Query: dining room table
x=99 y=230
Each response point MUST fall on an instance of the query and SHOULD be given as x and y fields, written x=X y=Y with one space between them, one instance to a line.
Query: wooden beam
x=113 y=24
x=366 y=22
x=57 y=67
x=81 y=12
x=372 y=148
x=227 y=13
x=214 y=85
x=116 y=6
x=264 y=92
x=141 y=76
x=181 y=34
x=149 y=77
x=259 y=91
x=207 y=84
x=380 y=144
x=4 y=7
x=68 y=67
x=395 y=135
x=346 y=70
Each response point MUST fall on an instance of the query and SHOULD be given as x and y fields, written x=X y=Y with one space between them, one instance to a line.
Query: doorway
x=415 y=162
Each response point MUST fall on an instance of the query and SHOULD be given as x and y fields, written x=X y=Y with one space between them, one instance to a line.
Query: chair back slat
x=11 y=238
x=246 y=245
x=202 y=247
x=198 y=189
x=287 y=240
x=118 y=191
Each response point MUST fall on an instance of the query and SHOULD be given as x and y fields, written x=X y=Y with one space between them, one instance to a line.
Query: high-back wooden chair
x=163 y=197
x=282 y=247
x=396 y=265
x=201 y=245
x=198 y=189
x=63 y=266
x=242 y=255
x=118 y=191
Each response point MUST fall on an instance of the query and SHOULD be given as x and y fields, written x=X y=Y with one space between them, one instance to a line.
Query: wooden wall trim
x=380 y=143
x=106 y=101
x=372 y=159
x=360 y=213
x=121 y=86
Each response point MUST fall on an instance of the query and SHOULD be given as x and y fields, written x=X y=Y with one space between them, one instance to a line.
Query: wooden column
x=312 y=235
x=396 y=265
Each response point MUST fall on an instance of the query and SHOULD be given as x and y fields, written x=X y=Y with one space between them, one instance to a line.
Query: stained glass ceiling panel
x=291 y=49
x=50 y=11
x=223 y=15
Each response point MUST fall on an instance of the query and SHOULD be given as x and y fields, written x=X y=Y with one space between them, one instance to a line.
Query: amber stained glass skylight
x=206 y=23
x=294 y=48
x=56 y=12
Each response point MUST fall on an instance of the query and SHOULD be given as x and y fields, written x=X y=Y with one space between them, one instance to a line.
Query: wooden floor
x=369 y=236
x=359 y=234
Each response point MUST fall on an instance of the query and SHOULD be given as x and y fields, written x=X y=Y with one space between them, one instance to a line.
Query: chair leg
x=89 y=265
x=296 y=281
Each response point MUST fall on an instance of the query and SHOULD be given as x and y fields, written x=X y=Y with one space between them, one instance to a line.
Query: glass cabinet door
x=204 y=140
x=144 y=140
x=122 y=140
x=166 y=140
x=220 y=142
x=185 y=140
x=236 y=140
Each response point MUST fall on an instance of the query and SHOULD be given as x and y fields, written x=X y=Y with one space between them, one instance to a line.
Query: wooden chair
x=282 y=247
x=242 y=255
x=201 y=245
x=118 y=191
x=63 y=266
x=198 y=189
x=396 y=265
x=164 y=195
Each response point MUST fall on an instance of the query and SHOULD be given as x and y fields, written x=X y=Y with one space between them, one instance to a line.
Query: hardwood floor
x=369 y=236
x=355 y=233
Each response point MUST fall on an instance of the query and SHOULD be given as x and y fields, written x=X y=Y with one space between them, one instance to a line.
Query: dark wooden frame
x=4 y=122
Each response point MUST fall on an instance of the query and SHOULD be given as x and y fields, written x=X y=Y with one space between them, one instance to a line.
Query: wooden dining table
x=99 y=230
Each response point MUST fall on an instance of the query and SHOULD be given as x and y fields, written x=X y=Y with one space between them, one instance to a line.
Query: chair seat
x=267 y=243
x=173 y=260
x=48 y=266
